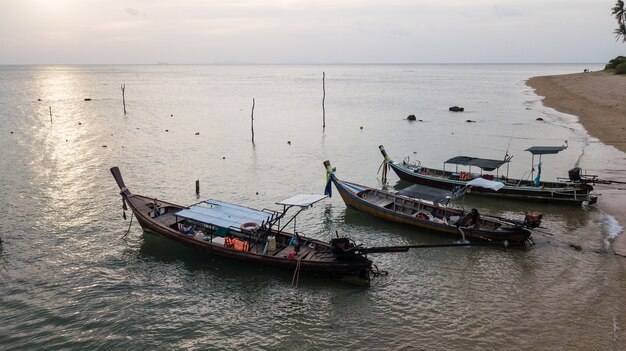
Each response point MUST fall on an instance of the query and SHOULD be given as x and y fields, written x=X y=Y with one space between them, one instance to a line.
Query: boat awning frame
x=425 y=192
x=545 y=150
x=303 y=201
x=225 y=214
x=482 y=163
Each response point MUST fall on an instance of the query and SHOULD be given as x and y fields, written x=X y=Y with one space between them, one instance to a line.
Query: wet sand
x=599 y=101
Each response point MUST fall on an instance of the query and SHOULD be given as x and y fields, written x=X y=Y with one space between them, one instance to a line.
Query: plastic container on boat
x=272 y=243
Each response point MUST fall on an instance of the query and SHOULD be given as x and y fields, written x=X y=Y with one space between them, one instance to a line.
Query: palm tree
x=621 y=32
x=619 y=11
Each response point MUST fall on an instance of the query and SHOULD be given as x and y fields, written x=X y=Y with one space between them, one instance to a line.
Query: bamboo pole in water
x=252 y=121
x=123 y=86
x=323 y=100
x=50 y=109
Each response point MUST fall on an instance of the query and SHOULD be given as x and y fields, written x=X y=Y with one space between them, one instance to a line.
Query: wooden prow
x=382 y=151
x=118 y=177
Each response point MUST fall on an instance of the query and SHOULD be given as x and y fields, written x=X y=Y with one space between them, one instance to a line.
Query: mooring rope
x=129 y=224
x=296 y=274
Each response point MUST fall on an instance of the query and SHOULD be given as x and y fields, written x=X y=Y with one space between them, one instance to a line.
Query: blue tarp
x=224 y=214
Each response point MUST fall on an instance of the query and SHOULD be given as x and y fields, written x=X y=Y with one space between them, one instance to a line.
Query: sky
x=306 y=31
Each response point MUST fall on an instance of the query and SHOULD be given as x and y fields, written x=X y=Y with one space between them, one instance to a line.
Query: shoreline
x=598 y=100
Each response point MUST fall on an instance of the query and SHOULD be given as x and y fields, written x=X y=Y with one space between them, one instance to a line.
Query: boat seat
x=166 y=220
x=382 y=202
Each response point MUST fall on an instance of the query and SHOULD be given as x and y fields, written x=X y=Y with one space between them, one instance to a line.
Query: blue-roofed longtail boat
x=576 y=189
x=431 y=215
x=255 y=236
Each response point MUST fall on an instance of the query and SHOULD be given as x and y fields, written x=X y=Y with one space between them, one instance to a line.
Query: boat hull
x=321 y=259
x=349 y=193
x=574 y=194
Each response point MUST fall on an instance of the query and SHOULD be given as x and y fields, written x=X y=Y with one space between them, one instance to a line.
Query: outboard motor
x=532 y=219
x=341 y=246
x=575 y=174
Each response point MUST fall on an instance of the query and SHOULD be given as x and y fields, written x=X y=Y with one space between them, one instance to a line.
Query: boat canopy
x=424 y=192
x=545 y=150
x=482 y=163
x=224 y=214
x=304 y=201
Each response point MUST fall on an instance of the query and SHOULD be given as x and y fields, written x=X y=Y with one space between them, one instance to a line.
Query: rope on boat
x=129 y=224
x=296 y=274
x=377 y=272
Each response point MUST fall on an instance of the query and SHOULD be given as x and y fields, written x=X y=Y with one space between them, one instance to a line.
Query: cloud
x=124 y=25
x=131 y=11
x=502 y=11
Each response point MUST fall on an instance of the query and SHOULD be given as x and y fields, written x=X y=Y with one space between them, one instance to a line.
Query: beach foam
x=612 y=228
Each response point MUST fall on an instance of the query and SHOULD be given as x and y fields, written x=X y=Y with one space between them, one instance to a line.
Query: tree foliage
x=619 y=11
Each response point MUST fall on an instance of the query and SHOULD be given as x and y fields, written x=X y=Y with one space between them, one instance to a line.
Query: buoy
x=249 y=227
x=411 y=118
x=167 y=130
x=289 y=142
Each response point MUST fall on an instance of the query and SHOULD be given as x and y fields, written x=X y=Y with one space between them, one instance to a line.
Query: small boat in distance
x=431 y=215
x=255 y=236
x=575 y=190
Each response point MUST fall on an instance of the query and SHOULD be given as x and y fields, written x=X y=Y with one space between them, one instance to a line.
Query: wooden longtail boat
x=575 y=190
x=246 y=234
x=429 y=215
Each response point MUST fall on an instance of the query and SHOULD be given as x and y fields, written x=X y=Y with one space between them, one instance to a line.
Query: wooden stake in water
x=123 y=86
x=50 y=107
x=198 y=187
x=252 y=120
x=323 y=100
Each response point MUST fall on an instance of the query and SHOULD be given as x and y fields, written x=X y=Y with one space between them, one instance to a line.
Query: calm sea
x=69 y=279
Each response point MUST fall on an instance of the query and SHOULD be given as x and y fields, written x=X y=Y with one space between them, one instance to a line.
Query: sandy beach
x=599 y=101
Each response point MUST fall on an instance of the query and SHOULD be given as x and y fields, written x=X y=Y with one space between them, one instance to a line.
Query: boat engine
x=575 y=174
x=342 y=246
x=532 y=219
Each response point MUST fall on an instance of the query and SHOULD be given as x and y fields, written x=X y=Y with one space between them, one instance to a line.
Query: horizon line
x=295 y=63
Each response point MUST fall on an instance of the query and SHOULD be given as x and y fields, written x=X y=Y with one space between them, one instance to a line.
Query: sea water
x=71 y=279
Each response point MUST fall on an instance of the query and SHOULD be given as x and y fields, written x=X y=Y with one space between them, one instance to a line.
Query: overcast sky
x=307 y=31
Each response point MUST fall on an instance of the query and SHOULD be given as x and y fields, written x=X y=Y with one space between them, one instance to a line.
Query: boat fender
x=249 y=227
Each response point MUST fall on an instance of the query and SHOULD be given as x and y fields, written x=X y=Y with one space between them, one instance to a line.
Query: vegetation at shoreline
x=618 y=64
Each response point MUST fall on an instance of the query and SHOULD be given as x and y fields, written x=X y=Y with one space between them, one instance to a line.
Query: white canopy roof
x=302 y=200
x=484 y=183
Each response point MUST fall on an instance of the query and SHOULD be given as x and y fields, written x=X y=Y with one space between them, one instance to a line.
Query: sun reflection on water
x=63 y=157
